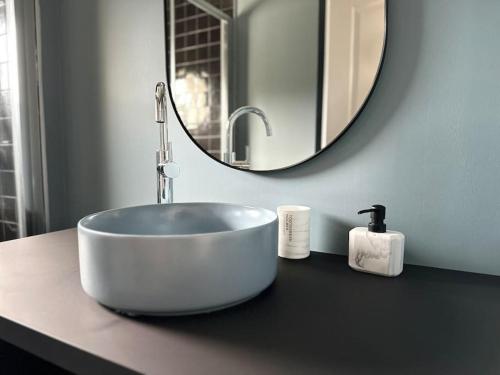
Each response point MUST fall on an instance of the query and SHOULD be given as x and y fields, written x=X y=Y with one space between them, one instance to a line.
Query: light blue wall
x=55 y=131
x=426 y=145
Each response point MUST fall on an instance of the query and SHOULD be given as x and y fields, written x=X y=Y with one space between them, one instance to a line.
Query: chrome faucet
x=230 y=155
x=166 y=169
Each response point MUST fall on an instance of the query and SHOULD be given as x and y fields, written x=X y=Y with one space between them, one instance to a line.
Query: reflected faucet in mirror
x=166 y=169
x=230 y=154
x=310 y=64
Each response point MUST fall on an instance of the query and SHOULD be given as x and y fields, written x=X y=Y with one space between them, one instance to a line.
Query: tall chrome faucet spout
x=229 y=154
x=166 y=169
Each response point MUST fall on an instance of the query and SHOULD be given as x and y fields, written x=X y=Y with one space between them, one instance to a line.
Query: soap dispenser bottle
x=374 y=249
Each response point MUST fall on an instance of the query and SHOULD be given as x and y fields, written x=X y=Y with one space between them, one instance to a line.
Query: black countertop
x=318 y=317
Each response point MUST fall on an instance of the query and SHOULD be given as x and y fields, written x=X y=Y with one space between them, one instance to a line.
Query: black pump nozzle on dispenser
x=377 y=215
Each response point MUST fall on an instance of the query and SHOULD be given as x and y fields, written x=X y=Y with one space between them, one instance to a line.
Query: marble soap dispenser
x=374 y=249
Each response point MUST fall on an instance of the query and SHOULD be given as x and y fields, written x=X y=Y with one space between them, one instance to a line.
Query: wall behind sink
x=426 y=145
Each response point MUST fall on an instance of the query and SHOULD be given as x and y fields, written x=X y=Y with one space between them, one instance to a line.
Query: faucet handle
x=160 y=96
x=170 y=169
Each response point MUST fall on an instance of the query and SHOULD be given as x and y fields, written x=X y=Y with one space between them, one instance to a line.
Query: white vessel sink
x=176 y=259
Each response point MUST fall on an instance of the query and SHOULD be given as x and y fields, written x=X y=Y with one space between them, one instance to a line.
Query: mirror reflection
x=267 y=84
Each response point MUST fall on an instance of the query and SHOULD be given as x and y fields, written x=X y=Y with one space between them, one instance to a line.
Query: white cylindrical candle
x=294 y=229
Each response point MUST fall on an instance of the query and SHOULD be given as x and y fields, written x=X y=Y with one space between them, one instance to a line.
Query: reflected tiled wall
x=198 y=71
x=8 y=213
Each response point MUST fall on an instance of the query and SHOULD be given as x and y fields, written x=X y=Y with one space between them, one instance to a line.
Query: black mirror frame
x=347 y=127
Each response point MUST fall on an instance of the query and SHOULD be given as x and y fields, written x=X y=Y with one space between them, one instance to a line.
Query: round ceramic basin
x=177 y=259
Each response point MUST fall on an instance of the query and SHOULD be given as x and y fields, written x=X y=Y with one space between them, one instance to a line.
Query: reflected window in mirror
x=197 y=59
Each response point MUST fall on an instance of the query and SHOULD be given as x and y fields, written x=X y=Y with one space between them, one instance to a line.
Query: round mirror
x=267 y=84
